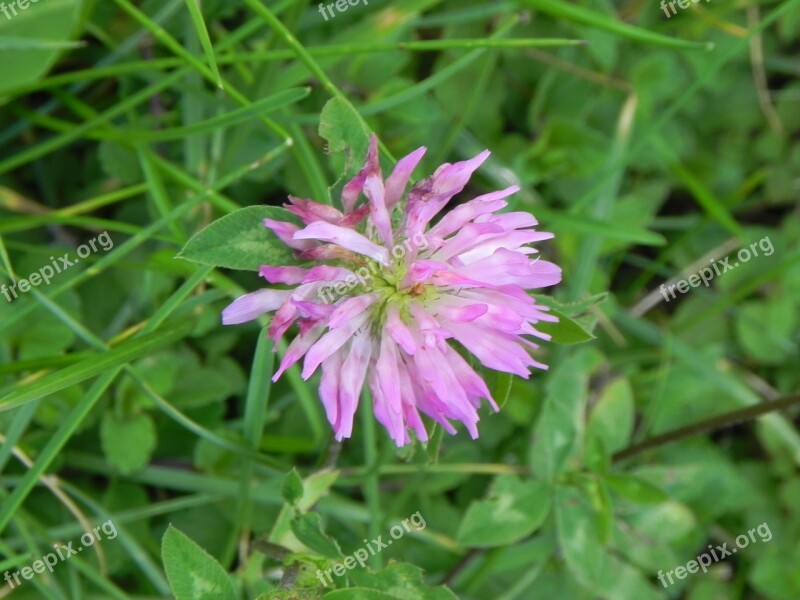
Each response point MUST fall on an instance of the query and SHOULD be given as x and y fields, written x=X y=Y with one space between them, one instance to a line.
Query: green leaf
x=94 y=365
x=579 y=530
x=566 y=331
x=559 y=429
x=193 y=574
x=228 y=119
x=15 y=43
x=240 y=241
x=315 y=486
x=635 y=489
x=359 y=593
x=128 y=442
x=308 y=529
x=205 y=40
x=34 y=38
x=513 y=511
x=612 y=416
x=292 y=487
x=398 y=581
x=764 y=328
x=343 y=129
x=578 y=14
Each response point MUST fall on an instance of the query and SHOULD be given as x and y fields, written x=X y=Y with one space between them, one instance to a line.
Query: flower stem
x=718 y=422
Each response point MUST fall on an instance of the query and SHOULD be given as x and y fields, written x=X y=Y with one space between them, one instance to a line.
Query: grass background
x=649 y=146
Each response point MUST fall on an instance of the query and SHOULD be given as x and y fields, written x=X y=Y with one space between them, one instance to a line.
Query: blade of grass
x=205 y=40
x=88 y=368
x=55 y=444
x=578 y=14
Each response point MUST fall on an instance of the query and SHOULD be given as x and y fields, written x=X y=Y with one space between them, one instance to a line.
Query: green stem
x=712 y=424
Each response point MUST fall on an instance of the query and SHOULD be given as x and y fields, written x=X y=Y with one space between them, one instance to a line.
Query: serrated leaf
x=514 y=510
x=128 y=441
x=240 y=241
x=308 y=529
x=192 y=572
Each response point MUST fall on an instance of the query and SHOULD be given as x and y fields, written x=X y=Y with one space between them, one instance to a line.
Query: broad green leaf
x=580 y=537
x=764 y=328
x=48 y=22
x=635 y=489
x=193 y=574
x=241 y=241
x=14 y=43
x=94 y=365
x=566 y=330
x=513 y=511
x=612 y=416
x=128 y=441
x=559 y=430
x=308 y=529
x=344 y=131
x=572 y=308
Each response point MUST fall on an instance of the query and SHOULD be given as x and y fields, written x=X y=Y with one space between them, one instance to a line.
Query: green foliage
x=649 y=146
x=192 y=572
x=240 y=241
x=514 y=510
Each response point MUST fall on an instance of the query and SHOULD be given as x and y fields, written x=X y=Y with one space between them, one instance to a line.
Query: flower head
x=392 y=296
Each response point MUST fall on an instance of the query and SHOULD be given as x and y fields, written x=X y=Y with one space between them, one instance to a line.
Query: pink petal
x=398 y=331
x=463 y=214
x=346 y=238
x=285 y=232
x=353 y=188
x=310 y=211
x=286 y=275
x=297 y=349
x=253 y=305
x=330 y=343
x=386 y=393
x=350 y=308
x=397 y=181
x=373 y=190
x=329 y=385
x=354 y=369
